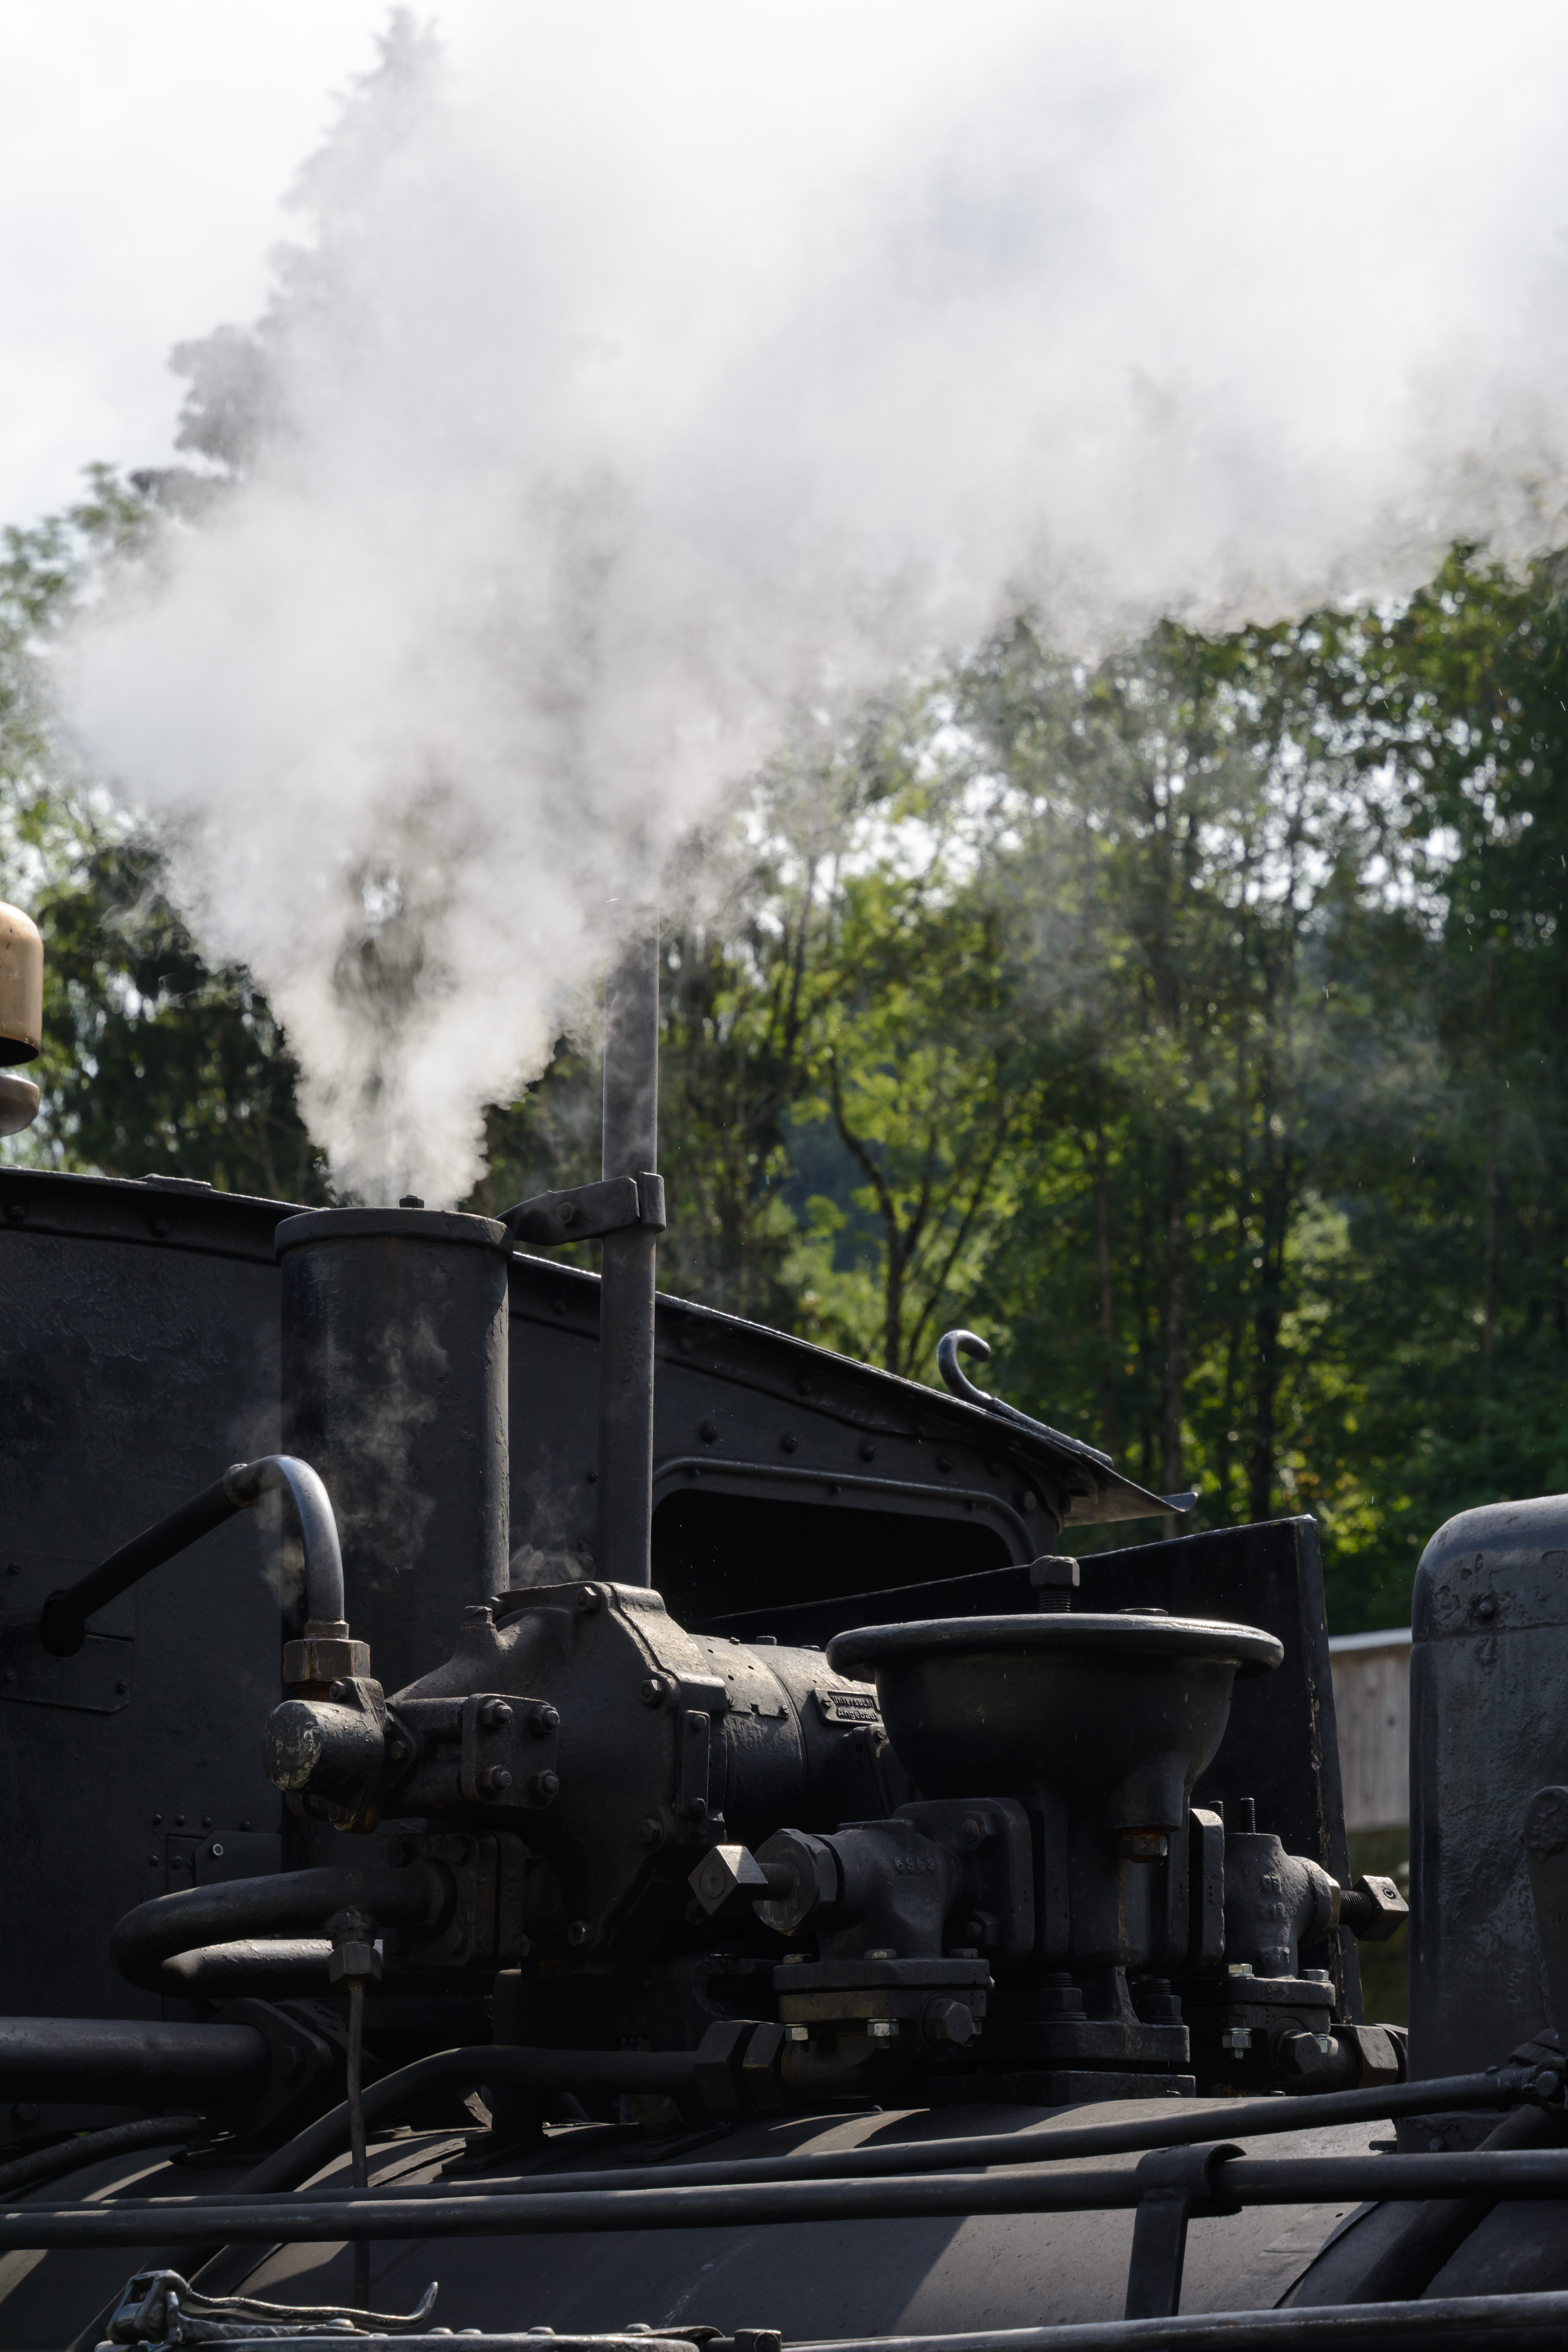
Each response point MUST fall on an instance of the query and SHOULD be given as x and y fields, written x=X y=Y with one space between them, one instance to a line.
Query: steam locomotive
x=542 y=1810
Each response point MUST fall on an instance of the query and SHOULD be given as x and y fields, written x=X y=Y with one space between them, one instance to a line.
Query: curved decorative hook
x=950 y=1346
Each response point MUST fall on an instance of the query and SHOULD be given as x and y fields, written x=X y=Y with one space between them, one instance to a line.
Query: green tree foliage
x=153 y=1063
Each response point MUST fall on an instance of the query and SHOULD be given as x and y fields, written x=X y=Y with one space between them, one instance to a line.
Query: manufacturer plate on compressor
x=849 y=1705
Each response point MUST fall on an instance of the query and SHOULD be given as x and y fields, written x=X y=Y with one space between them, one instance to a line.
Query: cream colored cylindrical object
x=21 y=989
x=18 y=1103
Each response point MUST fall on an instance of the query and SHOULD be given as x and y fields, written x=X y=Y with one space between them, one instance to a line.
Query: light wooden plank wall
x=1372 y=1703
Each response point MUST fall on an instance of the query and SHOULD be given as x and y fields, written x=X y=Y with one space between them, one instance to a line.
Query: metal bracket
x=699 y=1700
x=588 y=1211
x=1174 y=2184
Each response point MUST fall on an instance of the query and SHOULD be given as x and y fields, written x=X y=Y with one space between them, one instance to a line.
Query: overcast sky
x=144 y=145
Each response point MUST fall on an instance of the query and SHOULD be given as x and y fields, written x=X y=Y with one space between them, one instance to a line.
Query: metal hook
x=950 y=1346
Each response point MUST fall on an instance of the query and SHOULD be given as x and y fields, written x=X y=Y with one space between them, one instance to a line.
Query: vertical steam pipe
x=625 y=1555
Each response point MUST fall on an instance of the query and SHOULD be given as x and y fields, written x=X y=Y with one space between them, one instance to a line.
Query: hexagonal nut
x=353 y=1960
x=725 y=1871
x=947 y=2023
x=1373 y=1909
x=324 y=1658
x=814 y=1868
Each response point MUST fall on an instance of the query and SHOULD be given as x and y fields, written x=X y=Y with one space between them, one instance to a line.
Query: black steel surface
x=1488 y=1707
x=140 y=1358
x=1454 y=2322
x=1467 y=2323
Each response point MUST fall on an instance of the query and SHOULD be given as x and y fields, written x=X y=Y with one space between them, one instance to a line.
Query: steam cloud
x=646 y=375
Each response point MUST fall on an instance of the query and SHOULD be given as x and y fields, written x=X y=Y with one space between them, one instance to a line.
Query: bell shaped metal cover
x=21 y=987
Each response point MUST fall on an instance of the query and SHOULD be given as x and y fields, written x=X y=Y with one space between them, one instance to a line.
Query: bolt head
x=651 y=1830
x=947 y=2023
x=724 y=1871
x=652 y=1692
x=494 y=1713
x=1388 y=1908
x=352 y=1959
x=579 y=1933
x=495 y=1779
x=587 y=1600
x=543 y=1720
x=543 y=1784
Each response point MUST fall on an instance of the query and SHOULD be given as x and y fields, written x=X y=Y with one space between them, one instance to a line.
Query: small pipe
x=82 y=2148
x=359 y=2155
x=283 y=1904
x=1240 y=2180
x=627 y=1285
x=277 y=1969
x=513 y=2065
x=63 y=1625
x=91 y=2058
x=482 y=2214
x=1247 y=2120
x=248 y=1481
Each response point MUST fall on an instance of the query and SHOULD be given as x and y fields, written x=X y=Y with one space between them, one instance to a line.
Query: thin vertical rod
x=359 y=2162
x=624 y=1554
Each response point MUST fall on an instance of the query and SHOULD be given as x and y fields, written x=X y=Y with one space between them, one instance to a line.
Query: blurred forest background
x=1195 y=1027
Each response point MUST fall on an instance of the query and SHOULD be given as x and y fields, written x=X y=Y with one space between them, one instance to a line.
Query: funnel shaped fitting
x=1119 y=1714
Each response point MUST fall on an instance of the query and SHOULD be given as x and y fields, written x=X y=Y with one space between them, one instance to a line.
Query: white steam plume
x=646 y=372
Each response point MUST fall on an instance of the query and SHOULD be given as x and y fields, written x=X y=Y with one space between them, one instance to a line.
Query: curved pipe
x=509 y=2065
x=248 y=1481
x=92 y=2058
x=284 y=1906
x=83 y=2148
x=279 y=1968
x=63 y=1625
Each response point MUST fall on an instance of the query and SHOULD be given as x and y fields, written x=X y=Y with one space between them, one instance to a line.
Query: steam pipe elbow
x=246 y=1484
x=292 y=1902
x=62 y=1628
